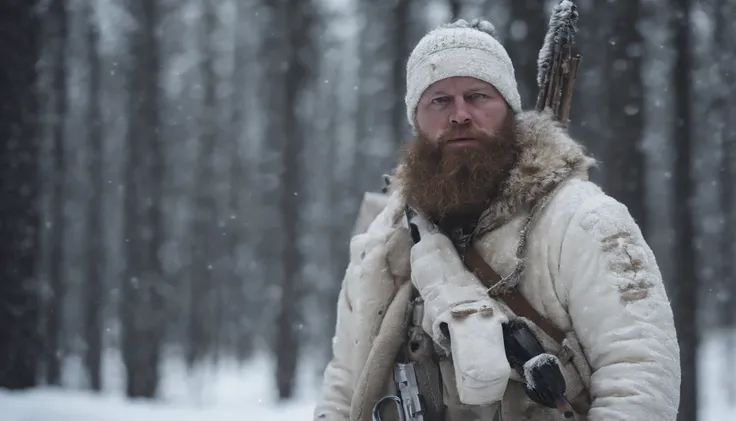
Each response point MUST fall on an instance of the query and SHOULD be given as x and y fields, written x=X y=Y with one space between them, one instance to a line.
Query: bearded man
x=481 y=175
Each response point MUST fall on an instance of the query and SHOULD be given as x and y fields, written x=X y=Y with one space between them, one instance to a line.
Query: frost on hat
x=460 y=49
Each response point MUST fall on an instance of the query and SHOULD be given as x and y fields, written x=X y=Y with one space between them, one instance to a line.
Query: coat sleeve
x=368 y=256
x=619 y=309
x=333 y=403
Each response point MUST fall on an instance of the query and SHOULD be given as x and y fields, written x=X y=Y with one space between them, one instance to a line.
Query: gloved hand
x=545 y=384
x=460 y=316
x=541 y=371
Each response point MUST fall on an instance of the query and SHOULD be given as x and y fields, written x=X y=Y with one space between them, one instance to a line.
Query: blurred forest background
x=180 y=177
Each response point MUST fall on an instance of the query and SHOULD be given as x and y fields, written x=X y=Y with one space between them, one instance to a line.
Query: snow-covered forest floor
x=230 y=392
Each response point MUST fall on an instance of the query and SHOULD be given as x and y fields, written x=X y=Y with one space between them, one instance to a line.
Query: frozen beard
x=449 y=182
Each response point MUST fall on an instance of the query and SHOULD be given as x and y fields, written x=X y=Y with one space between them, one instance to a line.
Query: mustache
x=463 y=132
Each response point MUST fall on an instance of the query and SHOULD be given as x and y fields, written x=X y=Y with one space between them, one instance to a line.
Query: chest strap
x=511 y=297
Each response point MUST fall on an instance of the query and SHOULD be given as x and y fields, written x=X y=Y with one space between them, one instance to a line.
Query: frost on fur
x=560 y=33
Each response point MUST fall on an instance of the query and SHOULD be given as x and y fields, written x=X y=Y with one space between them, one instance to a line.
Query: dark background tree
x=94 y=275
x=456 y=7
x=20 y=305
x=527 y=26
x=58 y=35
x=298 y=16
x=721 y=109
x=625 y=157
x=206 y=224
x=143 y=328
x=686 y=292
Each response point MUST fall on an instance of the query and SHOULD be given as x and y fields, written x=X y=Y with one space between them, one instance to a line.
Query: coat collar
x=548 y=157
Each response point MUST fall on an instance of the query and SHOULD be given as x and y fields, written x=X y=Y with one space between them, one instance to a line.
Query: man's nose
x=460 y=114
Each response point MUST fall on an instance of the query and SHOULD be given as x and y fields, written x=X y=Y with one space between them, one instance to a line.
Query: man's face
x=465 y=147
x=453 y=106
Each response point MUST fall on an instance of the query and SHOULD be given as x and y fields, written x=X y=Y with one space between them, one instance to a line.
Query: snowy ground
x=231 y=393
x=717 y=375
x=227 y=393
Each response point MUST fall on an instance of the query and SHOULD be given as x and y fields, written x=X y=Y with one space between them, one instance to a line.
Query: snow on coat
x=578 y=257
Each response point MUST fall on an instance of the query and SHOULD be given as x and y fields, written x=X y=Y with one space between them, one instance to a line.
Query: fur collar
x=548 y=157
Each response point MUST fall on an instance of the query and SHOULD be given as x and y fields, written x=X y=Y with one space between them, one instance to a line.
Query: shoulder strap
x=516 y=302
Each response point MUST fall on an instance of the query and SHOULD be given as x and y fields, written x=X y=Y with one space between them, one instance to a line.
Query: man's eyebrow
x=472 y=88
x=477 y=88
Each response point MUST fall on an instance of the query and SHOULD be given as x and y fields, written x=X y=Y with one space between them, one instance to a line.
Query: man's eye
x=441 y=100
x=477 y=96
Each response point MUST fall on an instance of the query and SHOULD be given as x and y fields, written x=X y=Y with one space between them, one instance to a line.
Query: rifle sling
x=513 y=298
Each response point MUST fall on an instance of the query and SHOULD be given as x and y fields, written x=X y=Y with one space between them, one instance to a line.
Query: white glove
x=460 y=316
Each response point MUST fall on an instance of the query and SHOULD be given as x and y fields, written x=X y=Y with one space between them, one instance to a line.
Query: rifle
x=416 y=376
x=407 y=399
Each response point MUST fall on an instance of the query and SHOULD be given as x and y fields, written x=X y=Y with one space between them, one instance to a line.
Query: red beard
x=458 y=182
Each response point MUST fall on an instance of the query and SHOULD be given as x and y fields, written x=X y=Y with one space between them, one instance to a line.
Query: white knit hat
x=460 y=49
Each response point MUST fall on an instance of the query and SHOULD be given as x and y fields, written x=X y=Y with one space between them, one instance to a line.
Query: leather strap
x=516 y=302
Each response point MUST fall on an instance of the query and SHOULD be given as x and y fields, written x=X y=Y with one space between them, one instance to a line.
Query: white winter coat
x=582 y=263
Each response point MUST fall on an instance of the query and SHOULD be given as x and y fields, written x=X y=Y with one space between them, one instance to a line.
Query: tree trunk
x=265 y=224
x=54 y=304
x=455 y=9
x=625 y=159
x=527 y=27
x=299 y=17
x=142 y=312
x=20 y=345
x=401 y=50
x=687 y=287
x=203 y=289
x=376 y=118
x=95 y=259
x=589 y=109
x=338 y=230
x=237 y=232
x=722 y=108
x=365 y=164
